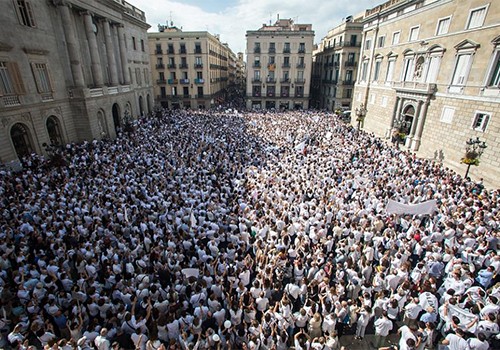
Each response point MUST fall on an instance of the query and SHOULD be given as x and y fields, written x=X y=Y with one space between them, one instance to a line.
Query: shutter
x=17 y=80
x=37 y=77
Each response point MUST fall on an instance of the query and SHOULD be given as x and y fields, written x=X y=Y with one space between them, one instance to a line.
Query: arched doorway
x=54 y=130
x=148 y=101
x=408 y=118
x=141 y=107
x=21 y=139
x=116 y=117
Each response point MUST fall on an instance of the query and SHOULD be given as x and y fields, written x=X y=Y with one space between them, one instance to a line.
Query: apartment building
x=335 y=65
x=430 y=71
x=279 y=65
x=190 y=69
x=69 y=71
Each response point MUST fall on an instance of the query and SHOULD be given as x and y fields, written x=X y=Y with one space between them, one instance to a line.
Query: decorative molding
x=5 y=46
x=30 y=51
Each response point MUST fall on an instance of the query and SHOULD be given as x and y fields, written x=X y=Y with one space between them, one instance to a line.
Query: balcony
x=286 y=50
x=183 y=50
x=271 y=94
x=183 y=66
x=285 y=94
x=329 y=81
x=272 y=50
x=184 y=81
x=301 y=65
x=300 y=81
x=198 y=65
x=285 y=65
x=256 y=80
x=302 y=50
x=350 y=64
x=160 y=66
x=197 y=50
x=186 y=96
x=161 y=81
x=159 y=52
x=199 y=96
x=299 y=94
x=170 y=51
x=199 y=81
x=285 y=81
x=256 y=94
x=348 y=82
x=271 y=80
x=173 y=81
x=256 y=49
x=414 y=87
x=161 y=97
x=256 y=65
x=172 y=65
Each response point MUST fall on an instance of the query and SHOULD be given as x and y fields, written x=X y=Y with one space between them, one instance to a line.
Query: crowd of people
x=244 y=230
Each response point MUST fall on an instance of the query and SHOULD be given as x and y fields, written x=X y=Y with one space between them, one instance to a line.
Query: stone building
x=279 y=65
x=335 y=65
x=190 y=69
x=70 y=71
x=430 y=75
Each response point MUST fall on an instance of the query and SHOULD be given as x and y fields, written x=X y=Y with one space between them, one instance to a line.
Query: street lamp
x=360 y=115
x=473 y=151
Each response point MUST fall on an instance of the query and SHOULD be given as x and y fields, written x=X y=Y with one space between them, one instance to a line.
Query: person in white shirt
x=456 y=341
x=101 y=342
x=478 y=343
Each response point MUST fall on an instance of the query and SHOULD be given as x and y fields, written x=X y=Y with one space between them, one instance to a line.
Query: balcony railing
x=329 y=81
x=170 y=51
x=271 y=94
x=173 y=81
x=256 y=65
x=302 y=50
x=286 y=50
x=198 y=65
x=185 y=96
x=351 y=64
x=160 y=66
x=256 y=49
x=285 y=81
x=299 y=94
x=159 y=52
x=256 y=80
x=161 y=97
x=183 y=50
x=197 y=50
x=184 y=81
x=183 y=66
x=285 y=65
x=301 y=65
x=348 y=82
x=172 y=65
x=412 y=85
x=199 y=96
x=285 y=94
x=300 y=81
x=199 y=81
x=271 y=80
x=256 y=94
x=161 y=81
x=272 y=50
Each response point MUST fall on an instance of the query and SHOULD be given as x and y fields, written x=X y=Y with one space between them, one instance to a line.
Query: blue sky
x=231 y=19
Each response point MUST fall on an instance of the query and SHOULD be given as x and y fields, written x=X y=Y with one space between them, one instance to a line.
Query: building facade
x=190 y=69
x=335 y=65
x=430 y=73
x=69 y=71
x=279 y=65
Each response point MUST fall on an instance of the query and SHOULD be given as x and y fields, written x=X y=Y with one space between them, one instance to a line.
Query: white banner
x=465 y=316
x=427 y=207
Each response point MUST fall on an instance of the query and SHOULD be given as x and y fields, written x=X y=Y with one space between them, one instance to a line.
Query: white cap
x=227 y=324
x=215 y=337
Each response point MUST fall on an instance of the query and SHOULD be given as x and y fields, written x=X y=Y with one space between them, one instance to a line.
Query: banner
x=427 y=207
x=465 y=316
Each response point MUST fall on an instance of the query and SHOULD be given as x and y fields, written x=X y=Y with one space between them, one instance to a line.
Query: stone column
x=72 y=46
x=94 y=51
x=118 y=58
x=123 y=55
x=395 y=112
x=414 y=125
x=420 y=127
x=110 y=52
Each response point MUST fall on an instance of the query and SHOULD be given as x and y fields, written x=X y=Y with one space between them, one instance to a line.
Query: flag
x=427 y=207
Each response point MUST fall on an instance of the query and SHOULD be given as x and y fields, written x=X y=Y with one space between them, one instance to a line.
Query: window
x=390 y=70
x=443 y=26
x=348 y=76
x=354 y=38
x=433 y=65
x=302 y=47
x=376 y=71
x=481 y=120
x=133 y=43
x=286 y=61
x=25 y=13
x=381 y=41
x=183 y=48
x=142 y=45
x=300 y=75
x=414 y=33
x=493 y=76
x=447 y=115
x=408 y=69
x=197 y=48
x=368 y=44
x=6 y=85
x=364 y=70
x=199 y=75
x=138 y=78
x=384 y=101
x=272 y=47
x=476 y=17
x=158 y=48
x=146 y=76
x=256 y=74
x=395 y=38
x=256 y=48
x=286 y=48
x=461 y=71
x=42 y=79
x=170 y=48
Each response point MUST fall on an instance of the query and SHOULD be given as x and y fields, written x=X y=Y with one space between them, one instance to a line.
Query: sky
x=231 y=19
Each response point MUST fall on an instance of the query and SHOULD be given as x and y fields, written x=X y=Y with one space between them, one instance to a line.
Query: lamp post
x=473 y=151
x=360 y=114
